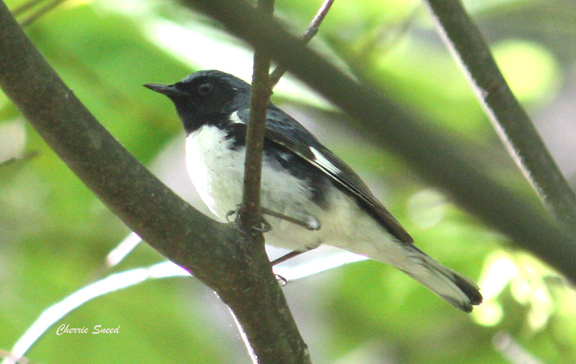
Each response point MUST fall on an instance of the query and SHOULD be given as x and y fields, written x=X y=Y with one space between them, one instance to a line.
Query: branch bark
x=442 y=161
x=514 y=126
x=217 y=254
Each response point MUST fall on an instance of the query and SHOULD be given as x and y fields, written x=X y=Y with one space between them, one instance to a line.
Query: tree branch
x=514 y=126
x=251 y=213
x=217 y=254
x=259 y=97
x=443 y=162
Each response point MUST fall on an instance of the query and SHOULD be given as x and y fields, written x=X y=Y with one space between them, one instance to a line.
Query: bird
x=301 y=180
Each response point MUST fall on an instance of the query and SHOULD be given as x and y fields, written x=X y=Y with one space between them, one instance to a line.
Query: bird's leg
x=288 y=256
x=311 y=223
x=281 y=280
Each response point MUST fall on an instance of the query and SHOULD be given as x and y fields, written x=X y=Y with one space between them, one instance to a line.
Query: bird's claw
x=281 y=280
x=264 y=226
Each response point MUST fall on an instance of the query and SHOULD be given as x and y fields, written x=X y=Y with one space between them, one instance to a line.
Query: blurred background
x=55 y=234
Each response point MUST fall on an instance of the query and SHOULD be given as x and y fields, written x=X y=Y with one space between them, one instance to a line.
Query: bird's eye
x=205 y=88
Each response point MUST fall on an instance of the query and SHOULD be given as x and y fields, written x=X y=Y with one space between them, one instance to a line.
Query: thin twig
x=310 y=32
x=381 y=42
x=508 y=117
x=24 y=7
x=40 y=12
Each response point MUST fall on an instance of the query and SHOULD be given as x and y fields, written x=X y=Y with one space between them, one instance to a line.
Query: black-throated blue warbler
x=301 y=179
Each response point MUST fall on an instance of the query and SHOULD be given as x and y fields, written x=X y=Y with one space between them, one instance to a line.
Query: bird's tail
x=456 y=289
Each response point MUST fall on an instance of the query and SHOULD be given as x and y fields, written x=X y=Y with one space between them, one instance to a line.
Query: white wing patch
x=325 y=163
x=235 y=119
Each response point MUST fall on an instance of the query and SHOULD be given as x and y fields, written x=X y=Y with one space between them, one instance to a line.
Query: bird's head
x=204 y=96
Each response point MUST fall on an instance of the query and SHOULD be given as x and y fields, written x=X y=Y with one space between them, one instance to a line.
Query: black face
x=205 y=96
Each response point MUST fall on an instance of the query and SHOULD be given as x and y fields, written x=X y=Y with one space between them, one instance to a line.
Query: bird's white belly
x=214 y=170
x=217 y=173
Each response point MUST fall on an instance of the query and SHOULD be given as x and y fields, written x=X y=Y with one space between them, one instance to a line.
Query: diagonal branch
x=508 y=117
x=38 y=13
x=17 y=11
x=442 y=161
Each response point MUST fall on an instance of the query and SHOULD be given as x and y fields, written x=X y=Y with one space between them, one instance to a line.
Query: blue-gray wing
x=282 y=129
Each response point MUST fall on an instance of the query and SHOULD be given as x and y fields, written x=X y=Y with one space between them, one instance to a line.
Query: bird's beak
x=168 y=90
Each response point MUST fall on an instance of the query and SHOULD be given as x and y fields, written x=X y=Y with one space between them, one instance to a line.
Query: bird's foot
x=233 y=216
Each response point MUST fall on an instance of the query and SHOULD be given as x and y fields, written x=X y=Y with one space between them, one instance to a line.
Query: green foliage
x=55 y=234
